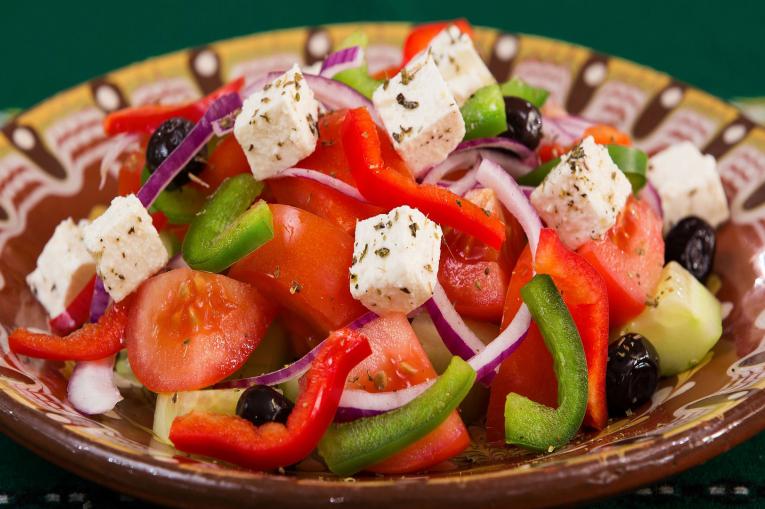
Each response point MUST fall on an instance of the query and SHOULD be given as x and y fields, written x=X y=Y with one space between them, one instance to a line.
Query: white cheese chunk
x=460 y=64
x=583 y=195
x=395 y=261
x=688 y=185
x=420 y=114
x=126 y=246
x=277 y=126
x=63 y=268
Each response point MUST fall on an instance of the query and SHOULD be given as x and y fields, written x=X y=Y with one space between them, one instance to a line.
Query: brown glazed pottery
x=49 y=164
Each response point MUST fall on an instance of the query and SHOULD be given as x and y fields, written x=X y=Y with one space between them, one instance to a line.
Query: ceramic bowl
x=49 y=160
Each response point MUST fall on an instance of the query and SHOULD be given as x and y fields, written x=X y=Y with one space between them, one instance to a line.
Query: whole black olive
x=524 y=122
x=632 y=373
x=260 y=404
x=691 y=243
x=163 y=141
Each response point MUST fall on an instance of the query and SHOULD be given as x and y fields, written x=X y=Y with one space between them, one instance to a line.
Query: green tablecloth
x=49 y=46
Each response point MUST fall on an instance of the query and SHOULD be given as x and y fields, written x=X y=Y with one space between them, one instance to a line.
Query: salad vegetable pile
x=327 y=264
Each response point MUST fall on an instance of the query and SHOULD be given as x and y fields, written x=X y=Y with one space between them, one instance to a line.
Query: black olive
x=691 y=243
x=261 y=404
x=632 y=373
x=163 y=141
x=524 y=122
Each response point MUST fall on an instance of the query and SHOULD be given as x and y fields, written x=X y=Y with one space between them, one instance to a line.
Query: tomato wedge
x=529 y=370
x=398 y=361
x=187 y=329
x=304 y=268
x=421 y=35
x=630 y=259
x=227 y=160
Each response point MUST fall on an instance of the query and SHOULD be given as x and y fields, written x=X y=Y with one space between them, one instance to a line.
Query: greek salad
x=325 y=264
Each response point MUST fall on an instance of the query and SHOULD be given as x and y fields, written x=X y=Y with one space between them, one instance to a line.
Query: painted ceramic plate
x=49 y=159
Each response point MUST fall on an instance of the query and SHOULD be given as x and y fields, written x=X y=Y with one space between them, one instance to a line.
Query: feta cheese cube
x=277 y=126
x=63 y=268
x=688 y=185
x=420 y=114
x=126 y=246
x=395 y=260
x=583 y=195
x=460 y=64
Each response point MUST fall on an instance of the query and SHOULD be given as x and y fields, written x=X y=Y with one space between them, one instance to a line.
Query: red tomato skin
x=187 y=330
x=227 y=160
x=398 y=354
x=529 y=371
x=304 y=268
x=477 y=289
x=322 y=200
x=421 y=35
x=629 y=259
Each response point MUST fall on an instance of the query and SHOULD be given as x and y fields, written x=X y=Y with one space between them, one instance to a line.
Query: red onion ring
x=339 y=61
x=650 y=195
x=91 y=388
x=356 y=403
x=322 y=178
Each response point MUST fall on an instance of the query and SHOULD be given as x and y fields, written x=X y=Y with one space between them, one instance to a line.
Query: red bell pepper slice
x=385 y=187
x=148 y=118
x=421 y=35
x=273 y=444
x=529 y=370
x=77 y=312
x=92 y=342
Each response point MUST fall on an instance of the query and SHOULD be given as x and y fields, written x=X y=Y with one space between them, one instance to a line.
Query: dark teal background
x=48 y=46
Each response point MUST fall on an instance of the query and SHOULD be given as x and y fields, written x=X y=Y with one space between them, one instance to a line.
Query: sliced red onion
x=511 y=164
x=294 y=370
x=225 y=125
x=197 y=138
x=357 y=403
x=177 y=262
x=488 y=360
x=527 y=190
x=118 y=145
x=650 y=195
x=491 y=175
x=100 y=301
x=465 y=184
x=323 y=178
x=91 y=388
x=456 y=335
x=333 y=94
x=455 y=161
x=339 y=61
x=498 y=143
x=564 y=129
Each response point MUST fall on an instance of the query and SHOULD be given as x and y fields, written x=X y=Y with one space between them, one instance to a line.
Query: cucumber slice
x=172 y=405
x=272 y=353
x=682 y=320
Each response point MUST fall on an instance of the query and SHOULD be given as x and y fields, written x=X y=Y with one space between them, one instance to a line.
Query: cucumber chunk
x=175 y=404
x=682 y=320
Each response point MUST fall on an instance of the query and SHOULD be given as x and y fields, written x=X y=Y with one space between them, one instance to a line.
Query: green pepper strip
x=633 y=163
x=179 y=205
x=519 y=88
x=358 y=78
x=228 y=228
x=530 y=424
x=484 y=113
x=351 y=446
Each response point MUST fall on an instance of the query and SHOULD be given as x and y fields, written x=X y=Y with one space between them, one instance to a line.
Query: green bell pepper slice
x=229 y=227
x=484 y=113
x=519 y=88
x=632 y=161
x=179 y=205
x=351 y=446
x=528 y=423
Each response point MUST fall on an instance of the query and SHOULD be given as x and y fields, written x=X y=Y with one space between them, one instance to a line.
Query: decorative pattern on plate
x=49 y=159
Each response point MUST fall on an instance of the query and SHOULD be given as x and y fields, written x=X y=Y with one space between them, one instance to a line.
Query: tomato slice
x=630 y=259
x=421 y=35
x=474 y=275
x=304 y=268
x=398 y=361
x=226 y=160
x=187 y=329
x=529 y=370
x=321 y=200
